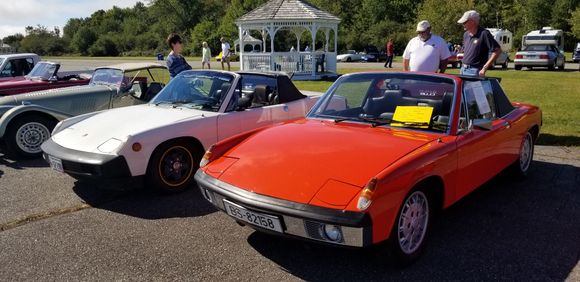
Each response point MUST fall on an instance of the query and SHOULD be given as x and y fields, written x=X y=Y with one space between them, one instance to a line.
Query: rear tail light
x=519 y=56
x=544 y=57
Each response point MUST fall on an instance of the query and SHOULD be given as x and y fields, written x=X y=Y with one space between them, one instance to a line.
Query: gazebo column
x=264 y=34
x=241 y=44
x=313 y=32
x=298 y=32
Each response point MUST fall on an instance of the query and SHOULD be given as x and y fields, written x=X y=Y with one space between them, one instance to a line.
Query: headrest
x=261 y=94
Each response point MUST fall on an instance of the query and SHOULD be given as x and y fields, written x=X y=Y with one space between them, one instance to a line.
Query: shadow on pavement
x=144 y=203
x=505 y=230
x=22 y=163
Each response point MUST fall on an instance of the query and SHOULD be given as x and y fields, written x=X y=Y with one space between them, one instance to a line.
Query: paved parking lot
x=53 y=228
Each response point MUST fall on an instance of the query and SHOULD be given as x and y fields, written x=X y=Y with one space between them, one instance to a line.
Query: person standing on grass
x=426 y=52
x=175 y=61
x=390 y=53
x=205 y=55
x=477 y=44
x=225 y=53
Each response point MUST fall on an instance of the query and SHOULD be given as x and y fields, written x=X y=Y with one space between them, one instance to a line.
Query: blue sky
x=15 y=15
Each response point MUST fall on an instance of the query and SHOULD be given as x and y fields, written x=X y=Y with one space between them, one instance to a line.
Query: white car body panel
x=151 y=125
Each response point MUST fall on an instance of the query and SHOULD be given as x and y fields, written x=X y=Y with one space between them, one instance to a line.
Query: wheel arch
x=23 y=111
x=194 y=142
x=535 y=131
x=435 y=186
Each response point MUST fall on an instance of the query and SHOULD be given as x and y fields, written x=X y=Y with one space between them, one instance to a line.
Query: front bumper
x=298 y=220
x=109 y=170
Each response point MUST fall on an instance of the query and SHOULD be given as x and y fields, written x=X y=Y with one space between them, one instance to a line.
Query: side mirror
x=482 y=124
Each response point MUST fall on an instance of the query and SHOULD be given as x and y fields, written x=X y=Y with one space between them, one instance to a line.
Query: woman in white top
x=205 y=55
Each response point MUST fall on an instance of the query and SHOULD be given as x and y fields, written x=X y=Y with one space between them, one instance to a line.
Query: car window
x=7 y=70
x=537 y=48
x=197 y=90
x=479 y=99
x=397 y=100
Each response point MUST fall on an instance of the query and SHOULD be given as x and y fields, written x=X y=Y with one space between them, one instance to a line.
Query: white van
x=504 y=37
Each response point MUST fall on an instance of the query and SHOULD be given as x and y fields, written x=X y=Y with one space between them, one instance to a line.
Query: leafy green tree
x=575 y=23
x=443 y=16
x=83 y=39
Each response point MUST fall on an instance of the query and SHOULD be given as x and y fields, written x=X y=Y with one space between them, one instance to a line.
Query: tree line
x=142 y=29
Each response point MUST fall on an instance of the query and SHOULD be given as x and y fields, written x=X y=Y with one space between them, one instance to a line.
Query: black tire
x=172 y=166
x=405 y=255
x=553 y=66
x=24 y=136
x=505 y=64
x=348 y=60
x=516 y=67
x=522 y=166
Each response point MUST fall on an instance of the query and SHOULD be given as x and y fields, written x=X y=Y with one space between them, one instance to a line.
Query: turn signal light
x=136 y=147
x=206 y=157
x=366 y=196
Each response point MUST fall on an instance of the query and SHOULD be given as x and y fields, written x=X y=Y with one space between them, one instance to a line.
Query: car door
x=234 y=120
x=482 y=153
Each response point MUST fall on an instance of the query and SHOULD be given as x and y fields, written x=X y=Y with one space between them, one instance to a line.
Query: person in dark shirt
x=389 y=48
x=478 y=43
x=175 y=61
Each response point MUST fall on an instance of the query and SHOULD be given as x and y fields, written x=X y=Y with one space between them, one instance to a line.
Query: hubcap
x=526 y=153
x=413 y=222
x=30 y=136
x=176 y=165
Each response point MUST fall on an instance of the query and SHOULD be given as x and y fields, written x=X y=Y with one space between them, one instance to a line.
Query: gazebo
x=249 y=41
x=296 y=16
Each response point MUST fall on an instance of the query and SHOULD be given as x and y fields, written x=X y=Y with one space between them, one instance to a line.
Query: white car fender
x=202 y=129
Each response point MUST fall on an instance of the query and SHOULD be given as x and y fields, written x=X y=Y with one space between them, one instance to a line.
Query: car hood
x=87 y=135
x=295 y=160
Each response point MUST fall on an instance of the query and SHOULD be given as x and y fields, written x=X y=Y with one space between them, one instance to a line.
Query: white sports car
x=163 y=141
x=349 y=56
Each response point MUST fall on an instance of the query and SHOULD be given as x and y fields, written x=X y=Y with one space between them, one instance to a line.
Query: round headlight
x=332 y=233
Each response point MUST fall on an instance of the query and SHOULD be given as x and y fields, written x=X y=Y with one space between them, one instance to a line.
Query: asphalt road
x=88 y=63
x=53 y=228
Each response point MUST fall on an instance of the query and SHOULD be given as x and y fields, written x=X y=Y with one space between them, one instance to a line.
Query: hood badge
x=85 y=135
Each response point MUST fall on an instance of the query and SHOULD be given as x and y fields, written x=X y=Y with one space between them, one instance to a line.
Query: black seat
x=246 y=100
x=261 y=93
x=152 y=90
x=375 y=106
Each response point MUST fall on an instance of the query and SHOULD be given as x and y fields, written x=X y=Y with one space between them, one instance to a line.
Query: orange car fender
x=434 y=159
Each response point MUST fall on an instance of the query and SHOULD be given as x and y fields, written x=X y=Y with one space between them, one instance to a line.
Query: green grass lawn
x=556 y=93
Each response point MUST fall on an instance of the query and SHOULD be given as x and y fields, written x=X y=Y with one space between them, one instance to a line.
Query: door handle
x=285 y=108
x=506 y=124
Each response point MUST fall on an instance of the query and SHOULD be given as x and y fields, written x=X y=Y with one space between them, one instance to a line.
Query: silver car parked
x=540 y=56
x=26 y=120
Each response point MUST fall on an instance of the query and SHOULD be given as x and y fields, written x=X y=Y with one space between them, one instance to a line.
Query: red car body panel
x=13 y=87
x=327 y=164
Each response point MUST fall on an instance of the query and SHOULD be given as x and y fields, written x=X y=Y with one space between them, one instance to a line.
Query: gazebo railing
x=290 y=62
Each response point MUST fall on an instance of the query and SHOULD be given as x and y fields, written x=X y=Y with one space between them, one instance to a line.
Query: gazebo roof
x=248 y=39
x=284 y=10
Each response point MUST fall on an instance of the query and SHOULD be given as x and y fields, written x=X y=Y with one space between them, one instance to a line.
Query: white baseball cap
x=469 y=15
x=423 y=25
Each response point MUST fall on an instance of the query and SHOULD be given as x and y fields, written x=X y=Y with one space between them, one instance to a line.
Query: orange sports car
x=373 y=160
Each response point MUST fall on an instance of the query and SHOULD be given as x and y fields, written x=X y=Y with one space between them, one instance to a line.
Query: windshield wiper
x=375 y=121
x=410 y=123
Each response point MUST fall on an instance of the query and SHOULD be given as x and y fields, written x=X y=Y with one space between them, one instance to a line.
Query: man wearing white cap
x=427 y=52
x=478 y=43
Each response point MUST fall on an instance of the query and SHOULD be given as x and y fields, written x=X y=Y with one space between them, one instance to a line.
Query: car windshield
x=107 y=77
x=42 y=71
x=538 y=48
x=392 y=99
x=202 y=90
x=1 y=60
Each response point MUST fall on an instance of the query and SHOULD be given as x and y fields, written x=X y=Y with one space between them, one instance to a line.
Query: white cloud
x=15 y=15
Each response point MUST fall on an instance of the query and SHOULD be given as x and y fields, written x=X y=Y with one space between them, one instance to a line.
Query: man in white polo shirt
x=427 y=52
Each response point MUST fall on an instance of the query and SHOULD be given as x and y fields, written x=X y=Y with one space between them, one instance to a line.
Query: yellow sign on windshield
x=415 y=116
